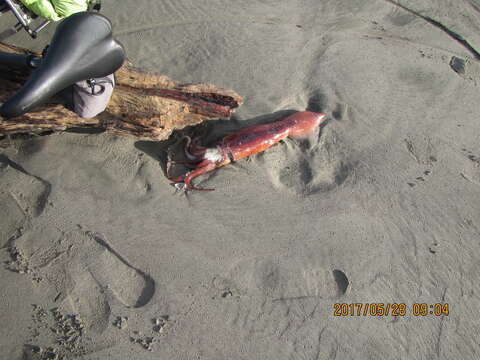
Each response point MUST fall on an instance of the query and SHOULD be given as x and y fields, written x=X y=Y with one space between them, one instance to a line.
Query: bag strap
x=98 y=82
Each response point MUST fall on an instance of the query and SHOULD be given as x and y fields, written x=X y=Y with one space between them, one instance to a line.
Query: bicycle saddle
x=14 y=61
x=81 y=48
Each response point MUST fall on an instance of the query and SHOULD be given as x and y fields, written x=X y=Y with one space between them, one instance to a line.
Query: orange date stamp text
x=390 y=309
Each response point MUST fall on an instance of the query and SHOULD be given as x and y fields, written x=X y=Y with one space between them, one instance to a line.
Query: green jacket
x=56 y=10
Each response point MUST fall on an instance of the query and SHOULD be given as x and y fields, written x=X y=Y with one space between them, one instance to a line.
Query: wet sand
x=103 y=260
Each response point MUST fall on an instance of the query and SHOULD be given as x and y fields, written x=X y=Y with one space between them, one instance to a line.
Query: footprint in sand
x=421 y=149
x=86 y=272
x=22 y=197
x=278 y=295
x=280 y=278
x=310 y=166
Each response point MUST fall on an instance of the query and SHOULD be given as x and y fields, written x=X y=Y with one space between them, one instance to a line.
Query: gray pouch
x=91 y=97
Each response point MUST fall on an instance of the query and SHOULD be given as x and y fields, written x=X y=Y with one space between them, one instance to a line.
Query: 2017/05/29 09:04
x=390 y=309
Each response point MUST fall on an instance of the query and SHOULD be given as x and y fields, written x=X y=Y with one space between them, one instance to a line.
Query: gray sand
x=382 y=207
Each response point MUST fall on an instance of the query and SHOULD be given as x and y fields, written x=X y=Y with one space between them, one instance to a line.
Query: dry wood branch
x=145 y=105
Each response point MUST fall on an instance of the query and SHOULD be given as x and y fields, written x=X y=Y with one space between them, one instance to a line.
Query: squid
x=241 y=144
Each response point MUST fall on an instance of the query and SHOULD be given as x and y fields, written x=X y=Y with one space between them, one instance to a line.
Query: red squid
x=243 y=143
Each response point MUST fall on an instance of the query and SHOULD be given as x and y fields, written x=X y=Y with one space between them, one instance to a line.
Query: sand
x=103 y=260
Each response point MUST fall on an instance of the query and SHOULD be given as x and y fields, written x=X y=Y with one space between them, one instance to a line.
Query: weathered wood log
x=146 y=105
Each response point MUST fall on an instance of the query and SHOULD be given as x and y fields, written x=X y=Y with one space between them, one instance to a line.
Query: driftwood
x=146 y=105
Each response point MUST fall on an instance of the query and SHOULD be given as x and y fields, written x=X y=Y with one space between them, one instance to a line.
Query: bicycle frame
x=24 y=18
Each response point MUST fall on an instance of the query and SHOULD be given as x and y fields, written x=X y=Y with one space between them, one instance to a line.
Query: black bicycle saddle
x=81 y=48
x=14 y=61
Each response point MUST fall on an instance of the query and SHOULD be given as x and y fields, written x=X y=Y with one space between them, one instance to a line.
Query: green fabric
x=56 y=10
x=65 y=8
x=43 y=8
